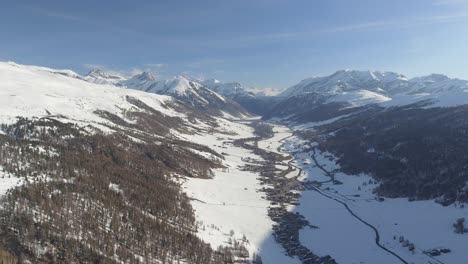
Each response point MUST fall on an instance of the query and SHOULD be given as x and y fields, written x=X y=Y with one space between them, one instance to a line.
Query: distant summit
x=99 y=76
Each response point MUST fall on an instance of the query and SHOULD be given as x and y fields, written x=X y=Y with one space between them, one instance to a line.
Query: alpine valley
x=354 y=167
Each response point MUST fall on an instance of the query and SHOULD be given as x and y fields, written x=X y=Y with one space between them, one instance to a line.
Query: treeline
x=97 y=198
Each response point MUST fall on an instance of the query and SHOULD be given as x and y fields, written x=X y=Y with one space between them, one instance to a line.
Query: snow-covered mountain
x=254 y=101
x=30 y=91
x=385 y=83
x=101 y=77
x=124 y=153
x=436 y=83
x=133 y=163
x=189 y=90
x=229 y=89
x=347 y=89
x=350 y=80
x=179 y=86
x=210 y=95
x=196 y=93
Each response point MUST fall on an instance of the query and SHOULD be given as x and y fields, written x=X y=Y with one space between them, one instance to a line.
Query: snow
x=231 y=201
x=310 y=125
x=360 y=98
x=387 y=83
x=350 y=80
x=100 y=77
x=115 y=187
x=388 y=89
x=274 y=143
x=425 y=223
x=7 y=182
x=443 y=99
x=179 y=86
x=339 y=234
x=229 y=89
x=264 y=91
x=31 y=91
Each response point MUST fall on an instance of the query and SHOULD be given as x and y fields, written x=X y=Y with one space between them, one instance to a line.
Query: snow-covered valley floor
x=425 y=224
x=232 y=201
x=230 y=206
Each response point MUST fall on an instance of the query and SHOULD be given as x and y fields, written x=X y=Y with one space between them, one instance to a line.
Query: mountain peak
x=96 y=72
x=145 y=76
x=100 y=74
x=435 y=77
x=385 y=83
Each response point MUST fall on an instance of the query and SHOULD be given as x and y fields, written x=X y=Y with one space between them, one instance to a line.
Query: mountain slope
x=95 y=170
x=350 y=80
x=210 y=96
x=350 y=90
x=100 y=77
x=92 y=172
x=29 y=91
x=256 y=104
x=188 y=91
x=385 y=83
x=388 y=126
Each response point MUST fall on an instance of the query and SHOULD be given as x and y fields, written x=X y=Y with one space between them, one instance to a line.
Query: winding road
x=330 y=174
x=293 y=182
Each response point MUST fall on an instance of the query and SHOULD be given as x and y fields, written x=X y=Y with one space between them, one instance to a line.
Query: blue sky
x=262 y=43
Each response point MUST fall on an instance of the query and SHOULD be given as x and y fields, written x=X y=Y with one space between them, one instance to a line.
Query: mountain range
x=349 y=90
x=181 y=170
x=345 y=87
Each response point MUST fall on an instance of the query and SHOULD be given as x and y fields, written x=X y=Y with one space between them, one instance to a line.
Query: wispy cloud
x=244 y=41
x=201 y=63
x=91 y=66
x=401 y=24
x=156 y=65
x=378 y=25
x=451 y=2
x=82 y=20
x=56 y=14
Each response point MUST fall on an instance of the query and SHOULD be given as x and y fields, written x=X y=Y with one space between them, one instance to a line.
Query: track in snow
x=376 y=232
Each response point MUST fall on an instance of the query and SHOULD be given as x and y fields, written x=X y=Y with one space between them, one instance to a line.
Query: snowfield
x=360 y=98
